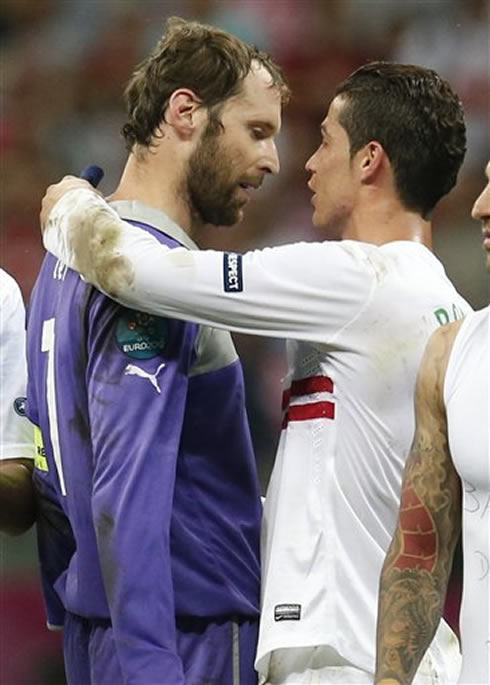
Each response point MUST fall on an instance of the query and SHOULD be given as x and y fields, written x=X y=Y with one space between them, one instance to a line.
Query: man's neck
x=146 y=179
x=386 y=223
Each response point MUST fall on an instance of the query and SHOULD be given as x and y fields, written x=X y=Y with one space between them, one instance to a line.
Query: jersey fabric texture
x=467 y=409
x=149 y=462
x=16 y=432
x=218 y=653
x=357 y=317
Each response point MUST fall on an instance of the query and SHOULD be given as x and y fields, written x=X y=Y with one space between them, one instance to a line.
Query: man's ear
x=371 y=161
x=185 y=112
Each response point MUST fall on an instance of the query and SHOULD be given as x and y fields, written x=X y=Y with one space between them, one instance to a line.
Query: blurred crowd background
x=64 y=64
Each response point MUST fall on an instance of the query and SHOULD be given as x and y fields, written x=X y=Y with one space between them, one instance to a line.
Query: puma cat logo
x=133 y=370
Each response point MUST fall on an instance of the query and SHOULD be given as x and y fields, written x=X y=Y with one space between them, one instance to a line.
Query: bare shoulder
x=444 y=335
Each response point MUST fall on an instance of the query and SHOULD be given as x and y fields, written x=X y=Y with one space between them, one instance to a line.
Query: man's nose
x=271 y=164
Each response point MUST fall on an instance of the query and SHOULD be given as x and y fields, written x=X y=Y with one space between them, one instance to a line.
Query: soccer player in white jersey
x=357 y=310
x=446 y=488
x=16 y=432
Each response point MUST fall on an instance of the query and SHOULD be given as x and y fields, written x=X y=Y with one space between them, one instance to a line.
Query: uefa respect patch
x=140 y=335
x=232 y=272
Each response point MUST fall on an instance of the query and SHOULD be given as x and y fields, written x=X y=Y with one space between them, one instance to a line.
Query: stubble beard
x=212 y=195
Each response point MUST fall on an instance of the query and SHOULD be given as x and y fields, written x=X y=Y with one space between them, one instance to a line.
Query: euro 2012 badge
x=140 y=335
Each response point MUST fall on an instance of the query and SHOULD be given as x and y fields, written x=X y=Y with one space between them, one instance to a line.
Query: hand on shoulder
x=56 y=191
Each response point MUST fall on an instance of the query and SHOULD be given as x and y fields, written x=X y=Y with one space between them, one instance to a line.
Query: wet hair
x=417 y=118
x=209 y=61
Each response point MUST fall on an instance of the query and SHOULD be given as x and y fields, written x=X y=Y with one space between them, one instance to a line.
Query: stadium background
x=64 y=65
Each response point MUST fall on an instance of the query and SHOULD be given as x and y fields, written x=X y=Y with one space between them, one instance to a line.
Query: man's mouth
x=247 y=189
x=250 y=185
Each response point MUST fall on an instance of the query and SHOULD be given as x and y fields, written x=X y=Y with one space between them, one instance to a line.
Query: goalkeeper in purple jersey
x=150 y=506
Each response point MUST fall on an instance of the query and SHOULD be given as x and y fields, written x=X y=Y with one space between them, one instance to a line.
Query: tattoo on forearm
x=418 y=534
x=418 y=563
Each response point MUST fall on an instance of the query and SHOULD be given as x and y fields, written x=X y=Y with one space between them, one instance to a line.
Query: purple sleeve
x=137 y=383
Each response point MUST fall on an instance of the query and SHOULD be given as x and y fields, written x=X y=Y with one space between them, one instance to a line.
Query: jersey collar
x=133 y=210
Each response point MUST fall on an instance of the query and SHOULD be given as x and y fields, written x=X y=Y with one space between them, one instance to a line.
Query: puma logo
x=133 y=370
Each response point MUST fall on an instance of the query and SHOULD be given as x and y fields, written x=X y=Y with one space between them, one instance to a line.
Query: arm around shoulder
x=304 y=291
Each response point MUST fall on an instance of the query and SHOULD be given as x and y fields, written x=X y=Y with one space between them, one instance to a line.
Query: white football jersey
x=357 y=318
x=16 y=431
x=467 y=409
x=332 y=501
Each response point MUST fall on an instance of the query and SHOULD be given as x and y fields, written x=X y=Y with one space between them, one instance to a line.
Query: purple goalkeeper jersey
x=149 y=497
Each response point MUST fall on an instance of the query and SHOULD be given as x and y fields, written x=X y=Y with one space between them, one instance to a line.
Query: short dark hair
x=209 y=61
x=417 y=118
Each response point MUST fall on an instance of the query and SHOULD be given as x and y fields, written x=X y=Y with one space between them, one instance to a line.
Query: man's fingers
x=56 y=191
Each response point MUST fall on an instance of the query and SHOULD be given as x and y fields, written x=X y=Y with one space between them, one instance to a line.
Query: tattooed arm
x=418 y=563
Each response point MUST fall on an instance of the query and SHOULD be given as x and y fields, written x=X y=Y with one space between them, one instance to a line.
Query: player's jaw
x=331 y=209
x=216 y=194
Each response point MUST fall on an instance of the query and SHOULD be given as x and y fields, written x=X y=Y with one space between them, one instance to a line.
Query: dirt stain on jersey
x=79 y=424
x=105 y=528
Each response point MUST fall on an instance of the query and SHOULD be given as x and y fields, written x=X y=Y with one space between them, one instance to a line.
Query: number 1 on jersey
x=48 y=345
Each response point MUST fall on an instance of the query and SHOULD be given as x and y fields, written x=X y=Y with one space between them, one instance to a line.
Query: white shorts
x=322 y=665
x=313 y=666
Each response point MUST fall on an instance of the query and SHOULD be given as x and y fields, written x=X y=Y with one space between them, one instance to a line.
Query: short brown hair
x=419 y=121
x=209 y=61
